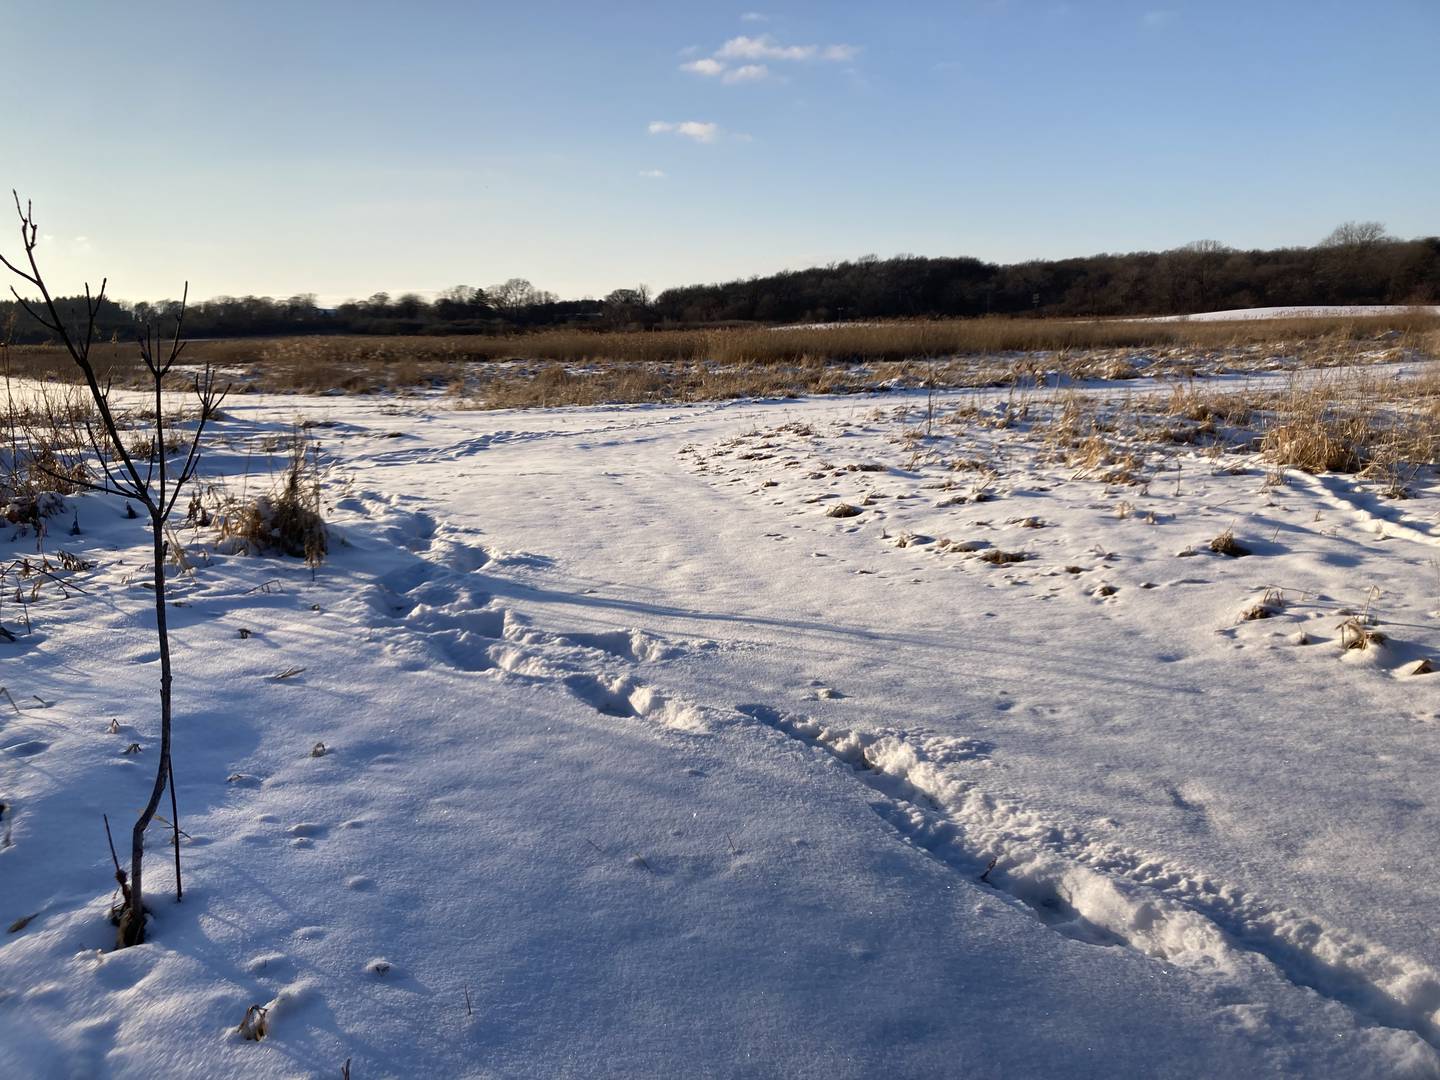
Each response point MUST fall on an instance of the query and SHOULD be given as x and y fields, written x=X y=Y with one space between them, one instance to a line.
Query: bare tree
x=153 y=479
x=515 y=295
x=1355 y=234
x=512 y=296
x=624 y=307
x=1203 y=259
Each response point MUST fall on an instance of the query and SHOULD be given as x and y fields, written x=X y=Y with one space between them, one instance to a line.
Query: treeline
x=1356 y=264
x=514 y=305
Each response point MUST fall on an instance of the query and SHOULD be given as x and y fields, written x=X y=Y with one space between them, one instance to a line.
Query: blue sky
x=345 y=148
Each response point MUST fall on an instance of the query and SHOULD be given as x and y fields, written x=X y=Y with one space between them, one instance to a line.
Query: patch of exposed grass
x=596 y=366
x=288 y=520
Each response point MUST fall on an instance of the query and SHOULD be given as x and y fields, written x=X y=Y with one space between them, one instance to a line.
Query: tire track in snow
x=1103 y=894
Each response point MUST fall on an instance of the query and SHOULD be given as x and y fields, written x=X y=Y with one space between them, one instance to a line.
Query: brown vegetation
x=559 y=367
x=289 y=520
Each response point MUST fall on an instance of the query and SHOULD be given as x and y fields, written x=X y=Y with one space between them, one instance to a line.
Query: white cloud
x=708 y=67
x=763 y=47
x=747 y=73
x=653 y=174
x=700 y=131
x=754 y=16
x=746 y=54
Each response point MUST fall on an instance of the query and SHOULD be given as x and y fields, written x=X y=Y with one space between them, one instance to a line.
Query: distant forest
x=1356 y=264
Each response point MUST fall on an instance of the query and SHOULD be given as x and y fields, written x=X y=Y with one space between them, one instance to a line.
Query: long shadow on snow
x=1098 y=669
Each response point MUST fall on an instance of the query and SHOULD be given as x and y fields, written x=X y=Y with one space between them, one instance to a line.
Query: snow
x=637 y=764
x=1332 y=311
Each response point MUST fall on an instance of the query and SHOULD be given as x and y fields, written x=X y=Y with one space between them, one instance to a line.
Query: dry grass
x=997 y=557
x=1226 y=544
x=120 y=362
x=1315 y=441
x=558 y=384
x=1097 y=442
x=42 y=451
x=585 y=366
x=1190 y=402
x=1355 y=424
x=289 y=520
x=1355 y=633
x=1383 y=427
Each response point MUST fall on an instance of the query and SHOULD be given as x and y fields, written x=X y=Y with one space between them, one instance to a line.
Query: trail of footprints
x=437 y=609
x=925 y=787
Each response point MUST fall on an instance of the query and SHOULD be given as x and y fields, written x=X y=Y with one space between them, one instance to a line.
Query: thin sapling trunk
x=148 y=481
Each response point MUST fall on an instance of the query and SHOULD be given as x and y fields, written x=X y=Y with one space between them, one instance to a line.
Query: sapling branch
x=155 y=487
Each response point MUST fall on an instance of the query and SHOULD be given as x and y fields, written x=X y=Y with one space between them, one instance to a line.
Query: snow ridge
x=1103 y=894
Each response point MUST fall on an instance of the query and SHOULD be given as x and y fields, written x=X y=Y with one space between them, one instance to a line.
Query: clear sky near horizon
x=342 y=148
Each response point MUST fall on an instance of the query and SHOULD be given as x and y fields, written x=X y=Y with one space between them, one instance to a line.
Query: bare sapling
x=148 y=474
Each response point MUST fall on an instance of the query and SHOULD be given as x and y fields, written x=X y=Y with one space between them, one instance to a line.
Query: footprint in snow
x=305 y=833
x=271 y=963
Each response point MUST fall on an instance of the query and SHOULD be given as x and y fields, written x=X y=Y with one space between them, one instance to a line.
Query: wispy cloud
x=708 y=67
x=740 y=59
x=754 y=17
x=69 y=245
x=764 y=47
x=653 y=174
x=712 y=68
x=746 y=73
x=700 y=131
x=1159 y=18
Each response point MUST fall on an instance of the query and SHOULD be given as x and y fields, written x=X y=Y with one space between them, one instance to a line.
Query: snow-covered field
x=637 y=763
x=1332 y=311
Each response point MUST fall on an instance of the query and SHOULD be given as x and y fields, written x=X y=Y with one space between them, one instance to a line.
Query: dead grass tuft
x=1226 y=544
x=1317 y=441
x=997 y=557
x=289 y=520
x=1356 y=634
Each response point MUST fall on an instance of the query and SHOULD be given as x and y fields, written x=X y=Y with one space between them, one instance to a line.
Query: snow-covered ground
x=1318 y=312
x=637 y=763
